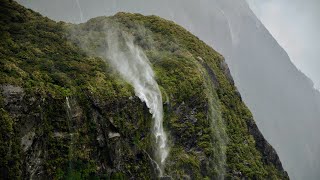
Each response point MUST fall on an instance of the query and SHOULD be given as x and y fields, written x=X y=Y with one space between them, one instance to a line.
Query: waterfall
x=217 y=124
x=80 y=10
x=69 y=116
x=133 y=65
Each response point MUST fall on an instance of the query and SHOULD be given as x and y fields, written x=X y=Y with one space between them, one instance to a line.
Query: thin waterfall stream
x=69 y=115
x=133 y=65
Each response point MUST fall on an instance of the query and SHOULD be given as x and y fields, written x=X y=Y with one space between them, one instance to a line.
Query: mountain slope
x=66 y=113
x=282 y=99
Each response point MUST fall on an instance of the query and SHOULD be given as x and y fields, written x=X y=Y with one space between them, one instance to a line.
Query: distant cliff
x=66 y=113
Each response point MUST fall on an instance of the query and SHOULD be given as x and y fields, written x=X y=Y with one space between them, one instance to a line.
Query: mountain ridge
x=67 y=114
x=281 y=100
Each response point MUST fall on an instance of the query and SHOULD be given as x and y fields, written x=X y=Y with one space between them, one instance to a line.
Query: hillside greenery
x=204 y=114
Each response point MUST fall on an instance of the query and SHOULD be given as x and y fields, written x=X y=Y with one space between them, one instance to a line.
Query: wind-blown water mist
x=133 y=65
x=220 y=138
x=80 y=10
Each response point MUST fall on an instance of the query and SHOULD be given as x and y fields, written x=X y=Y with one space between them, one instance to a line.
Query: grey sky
x=296 y=26
x=293 y=23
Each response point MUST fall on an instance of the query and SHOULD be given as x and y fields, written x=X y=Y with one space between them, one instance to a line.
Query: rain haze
x=295 y=25
x=283 y=101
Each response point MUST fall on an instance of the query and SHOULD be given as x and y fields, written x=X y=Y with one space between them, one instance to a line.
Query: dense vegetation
x=66 y=114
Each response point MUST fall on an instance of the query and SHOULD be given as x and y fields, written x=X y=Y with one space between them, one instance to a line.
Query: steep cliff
x=66 y=113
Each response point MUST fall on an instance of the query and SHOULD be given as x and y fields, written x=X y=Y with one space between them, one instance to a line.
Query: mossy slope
x=67 y=115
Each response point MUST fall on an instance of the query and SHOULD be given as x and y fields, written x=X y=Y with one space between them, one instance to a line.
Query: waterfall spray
x=80 y=10
x=71 y=144
x=133 y=65
x=220 y=137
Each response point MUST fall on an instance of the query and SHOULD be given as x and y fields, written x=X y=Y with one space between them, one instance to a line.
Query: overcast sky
x=295 y=24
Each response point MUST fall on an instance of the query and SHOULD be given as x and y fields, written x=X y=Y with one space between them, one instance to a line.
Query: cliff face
x=65 y=113
x=281 y=98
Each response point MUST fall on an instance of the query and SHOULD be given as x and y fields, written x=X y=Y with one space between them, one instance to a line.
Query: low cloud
x=295 y=26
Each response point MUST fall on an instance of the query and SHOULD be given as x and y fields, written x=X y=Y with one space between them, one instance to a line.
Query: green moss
x=201 y=107
x=10 y=164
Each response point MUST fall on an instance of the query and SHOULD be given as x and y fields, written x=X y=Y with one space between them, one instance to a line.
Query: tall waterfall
x=134 y=66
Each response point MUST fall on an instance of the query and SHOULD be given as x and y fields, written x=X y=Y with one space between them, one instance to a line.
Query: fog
x=283 y=101
x=295 y=24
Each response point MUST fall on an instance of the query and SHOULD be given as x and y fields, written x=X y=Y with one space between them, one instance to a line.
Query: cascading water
x=133 y=65
x=72 y=140
x=80 y=10
x=220 y=137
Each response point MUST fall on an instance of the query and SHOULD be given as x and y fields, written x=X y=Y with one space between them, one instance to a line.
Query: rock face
x=282 y=99
x=66 y=114
x=269 y=154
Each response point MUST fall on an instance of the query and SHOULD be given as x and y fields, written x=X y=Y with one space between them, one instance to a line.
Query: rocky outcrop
x=269 y=155
x=65 y=114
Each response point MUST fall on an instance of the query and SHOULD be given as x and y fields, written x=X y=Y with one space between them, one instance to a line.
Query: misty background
x=295 y=25
x=283 y=101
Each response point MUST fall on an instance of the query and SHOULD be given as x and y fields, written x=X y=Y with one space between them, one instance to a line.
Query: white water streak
x=133 y=65
x=68 y=103
x=232 y=34
x=80 y=10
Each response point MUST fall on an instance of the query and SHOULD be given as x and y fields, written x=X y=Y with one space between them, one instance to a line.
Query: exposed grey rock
x=100 y=140
x=166 y=178
x=212 y=75
x=113 y=135
x=226 y=71
x=27 y=140
x=34 y=164
x=11 y=90
x=13 y=96
x=60 y=134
